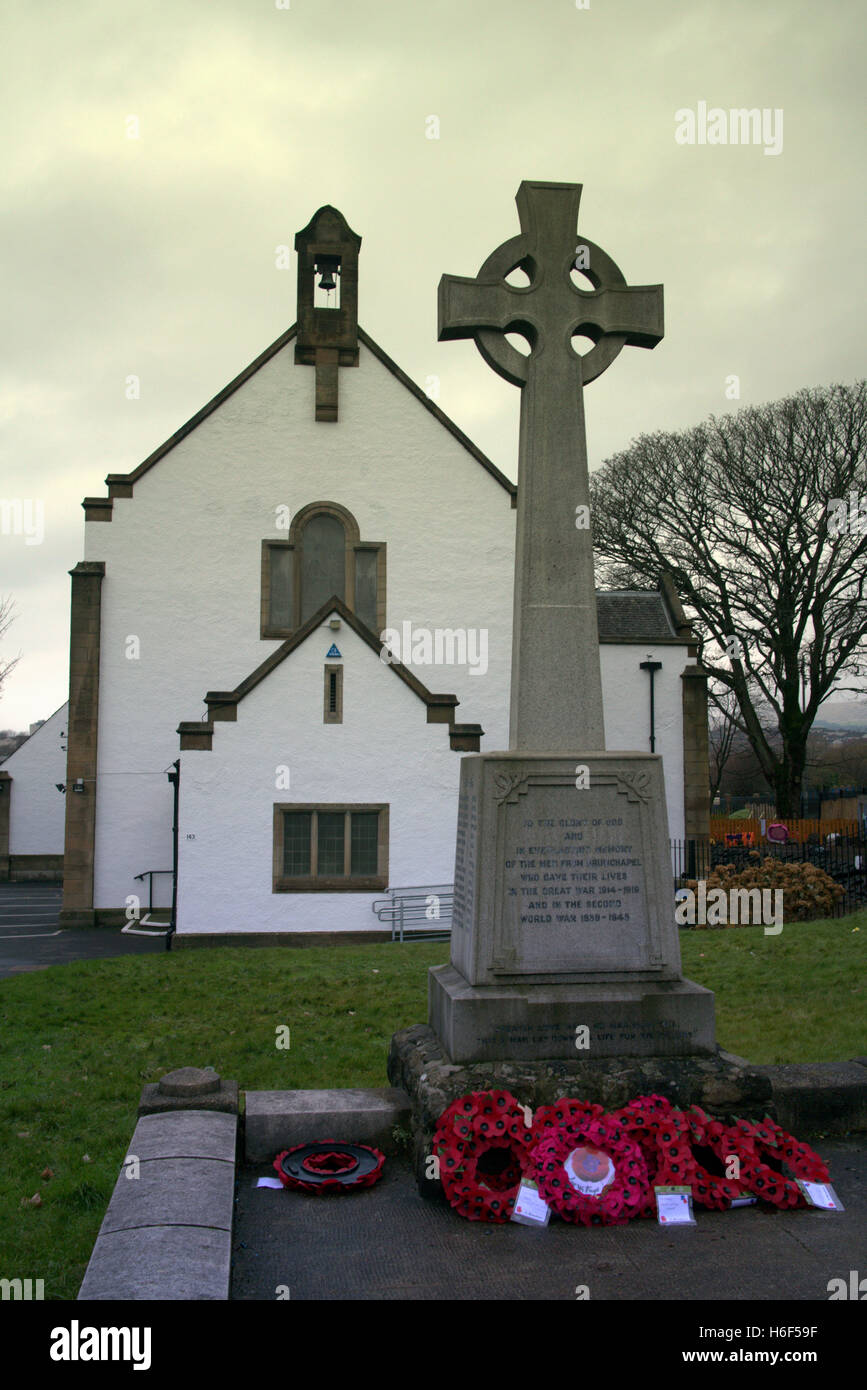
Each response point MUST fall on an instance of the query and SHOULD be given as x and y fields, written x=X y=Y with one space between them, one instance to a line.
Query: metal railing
x=422 y=912
x=843 y=858
x=149 y=875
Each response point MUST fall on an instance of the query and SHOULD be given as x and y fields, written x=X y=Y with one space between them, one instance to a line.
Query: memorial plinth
x=564 y=915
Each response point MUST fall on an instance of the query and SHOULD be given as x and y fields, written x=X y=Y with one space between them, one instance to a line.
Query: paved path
x=389 y=1243
x=31 y=937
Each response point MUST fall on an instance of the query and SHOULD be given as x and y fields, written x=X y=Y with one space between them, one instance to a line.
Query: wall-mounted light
x=78 y=784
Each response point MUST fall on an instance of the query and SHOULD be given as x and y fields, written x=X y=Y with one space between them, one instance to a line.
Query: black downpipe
x=652 y=667
x=175 y=779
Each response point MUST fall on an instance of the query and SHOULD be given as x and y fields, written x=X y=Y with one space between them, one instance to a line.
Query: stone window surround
x=354 y=543
x=333 y=716
x=361 y=883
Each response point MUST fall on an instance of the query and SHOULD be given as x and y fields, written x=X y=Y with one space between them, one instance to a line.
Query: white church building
x=290 y=622
x=32 y=807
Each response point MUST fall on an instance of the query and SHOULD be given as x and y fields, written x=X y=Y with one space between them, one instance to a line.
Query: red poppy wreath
x=662 y=1135
x=763 y=1148
x=483 y=1146
x=713 y=1145
x=591 y=1173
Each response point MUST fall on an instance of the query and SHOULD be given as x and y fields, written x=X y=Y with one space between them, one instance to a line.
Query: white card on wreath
x=531 y=1209
x=674 y=1206
x=821 y=1194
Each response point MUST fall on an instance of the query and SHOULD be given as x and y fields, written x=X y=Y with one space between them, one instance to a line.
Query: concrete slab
x=185 y=1134
x=276 y=1120
x=173 y=1192
x=388 y=1243
x=187 y=1263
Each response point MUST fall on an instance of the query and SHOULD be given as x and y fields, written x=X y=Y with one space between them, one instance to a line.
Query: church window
x=333 y=695
x=296 y=843
x=365 y=586
x=323 y=556
x=323 y=563
x=330 y=848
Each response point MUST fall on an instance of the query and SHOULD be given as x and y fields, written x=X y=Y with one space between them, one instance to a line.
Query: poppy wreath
x=483 y=1146
x=763 y=1147
x=711 y=1189
x=614 y=1205
x=663 y=1137
x=564 y=1114
x=329 y=1165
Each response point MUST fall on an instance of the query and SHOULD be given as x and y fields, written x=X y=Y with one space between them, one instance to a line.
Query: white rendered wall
x=384 y=751
x=38 y=809
x=626 y=699
x=183 y=564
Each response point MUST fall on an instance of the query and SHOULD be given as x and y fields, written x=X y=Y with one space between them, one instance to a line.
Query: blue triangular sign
x=332 y=651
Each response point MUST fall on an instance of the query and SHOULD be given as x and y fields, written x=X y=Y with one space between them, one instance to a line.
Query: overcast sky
x=155 y=256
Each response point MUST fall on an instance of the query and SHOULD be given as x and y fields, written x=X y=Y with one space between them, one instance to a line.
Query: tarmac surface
x=31 y=937
x=389 y=1243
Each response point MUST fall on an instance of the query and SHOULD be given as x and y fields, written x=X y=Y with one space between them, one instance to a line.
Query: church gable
x=223 y=705
x=326 y=337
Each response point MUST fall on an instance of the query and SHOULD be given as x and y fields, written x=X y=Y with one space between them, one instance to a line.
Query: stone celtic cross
x=556 y=699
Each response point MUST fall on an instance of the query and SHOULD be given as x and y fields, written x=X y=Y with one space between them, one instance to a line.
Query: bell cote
x=327 y=318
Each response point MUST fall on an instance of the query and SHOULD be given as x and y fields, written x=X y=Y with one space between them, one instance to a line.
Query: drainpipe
x=652 y=667
x=175 y=779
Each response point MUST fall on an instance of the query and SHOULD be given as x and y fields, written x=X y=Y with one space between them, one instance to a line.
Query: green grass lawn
x=78 y=1042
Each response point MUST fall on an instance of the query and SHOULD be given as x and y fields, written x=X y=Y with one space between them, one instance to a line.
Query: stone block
x=176 y=1263
x=558 y=883
x=186 y=1134
x=673 y=1018
x=819 y=1097
x=173 y=1192
x=277 y=1120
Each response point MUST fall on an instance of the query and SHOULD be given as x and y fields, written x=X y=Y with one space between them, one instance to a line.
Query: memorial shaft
x=556 y=693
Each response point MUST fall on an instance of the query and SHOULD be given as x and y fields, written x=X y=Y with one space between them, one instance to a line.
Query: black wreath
x=329 y=1166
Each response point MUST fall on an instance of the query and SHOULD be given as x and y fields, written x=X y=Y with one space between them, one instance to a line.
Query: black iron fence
x=843 y=857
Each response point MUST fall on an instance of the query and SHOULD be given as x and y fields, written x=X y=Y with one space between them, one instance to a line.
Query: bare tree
x=722 y=727
x=761 y=519
x=7 y=617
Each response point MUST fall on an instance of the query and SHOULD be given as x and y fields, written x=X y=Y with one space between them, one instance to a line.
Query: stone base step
x=277 y=1120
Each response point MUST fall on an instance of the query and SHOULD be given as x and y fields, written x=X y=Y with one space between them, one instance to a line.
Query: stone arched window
x=323 y=555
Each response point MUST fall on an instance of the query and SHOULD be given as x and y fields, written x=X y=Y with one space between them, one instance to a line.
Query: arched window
x=323 y=562
x=323 y=556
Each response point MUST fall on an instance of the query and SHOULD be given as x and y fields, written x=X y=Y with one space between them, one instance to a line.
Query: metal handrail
x=405 y=906
x=149 y=875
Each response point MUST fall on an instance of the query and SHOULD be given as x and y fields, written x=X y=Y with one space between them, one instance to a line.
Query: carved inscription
x=612 y=1037
x=465 y=857
x=574 y=884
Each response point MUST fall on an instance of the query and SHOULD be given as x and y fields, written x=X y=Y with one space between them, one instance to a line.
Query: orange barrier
x=749 y=829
